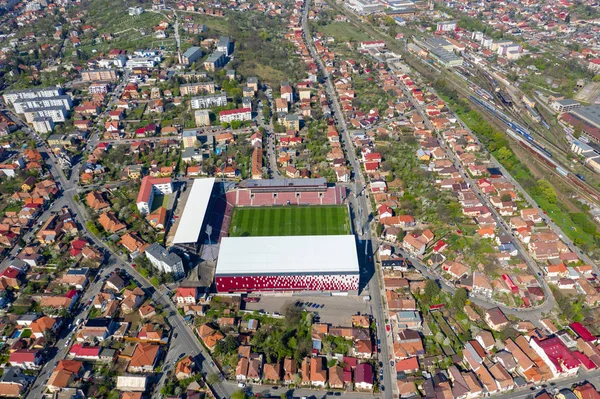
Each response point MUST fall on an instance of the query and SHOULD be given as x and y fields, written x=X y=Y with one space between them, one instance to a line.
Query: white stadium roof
x=192 y=219
x=287 y=255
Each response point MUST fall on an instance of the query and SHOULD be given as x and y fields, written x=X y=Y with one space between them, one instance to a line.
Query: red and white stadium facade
x=287 y=264
x=287 y=282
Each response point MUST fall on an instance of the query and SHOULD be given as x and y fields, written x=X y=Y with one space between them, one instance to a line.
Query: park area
x=290 y=221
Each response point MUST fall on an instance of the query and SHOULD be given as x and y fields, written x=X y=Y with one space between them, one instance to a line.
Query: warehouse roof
x=287 y=255
x=590 y=114
x=194 y=212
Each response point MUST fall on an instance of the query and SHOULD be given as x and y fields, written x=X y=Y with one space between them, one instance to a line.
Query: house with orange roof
x=133 y=244
x=305 y=370
x=158 y=218
x=64 y=375
x=132 y=299
x=336 y=377
x=186 y=296
x=407 y=366
x=55 y=303
x=363 y=349
x=586 y=391
x=150 y=333
x=289 y=370
x=95 y=201
x=486 y=233
x=144 y=358
x=318 y=374
x=272 y=372
x=210 y=339
x=455 y=269
x=110 y=223
x=504 y=381
x=557 y=271
x=44 y=325
x=184 y=368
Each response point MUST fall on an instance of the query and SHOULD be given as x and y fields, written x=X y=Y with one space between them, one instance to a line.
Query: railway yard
x=526 y=125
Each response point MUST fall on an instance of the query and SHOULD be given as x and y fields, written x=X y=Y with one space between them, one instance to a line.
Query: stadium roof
x=287 y=255
x=192 y=219
x=252 y=183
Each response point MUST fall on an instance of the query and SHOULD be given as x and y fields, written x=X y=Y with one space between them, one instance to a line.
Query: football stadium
x=285 y=235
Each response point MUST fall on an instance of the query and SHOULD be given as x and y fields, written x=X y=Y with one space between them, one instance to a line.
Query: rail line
x=524 y=137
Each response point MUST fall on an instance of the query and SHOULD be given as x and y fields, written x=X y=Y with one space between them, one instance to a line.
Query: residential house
x=28 y=359
x=13 y=382
x=110 y=223
x=496 y=319
x=363 y=377
x=289 y=370
x=318 y=374
x=186 y=296
x=336 y=377
x=132 y=299
x=272 y=372
x=184 y=368
x=144 y=358
x=561 y=361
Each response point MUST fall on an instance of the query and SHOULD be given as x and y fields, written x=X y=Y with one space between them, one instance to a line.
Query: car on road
x=241 y=385
x=175 y=335
x=380 y=364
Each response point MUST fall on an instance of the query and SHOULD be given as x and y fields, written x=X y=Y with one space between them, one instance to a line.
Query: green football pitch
x=290 y=221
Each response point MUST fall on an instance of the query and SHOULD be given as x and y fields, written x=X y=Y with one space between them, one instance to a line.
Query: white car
x=241 y=385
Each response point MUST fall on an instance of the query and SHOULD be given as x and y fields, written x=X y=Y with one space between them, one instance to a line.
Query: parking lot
x=335 y=310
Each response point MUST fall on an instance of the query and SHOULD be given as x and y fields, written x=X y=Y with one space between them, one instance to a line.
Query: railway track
x=585 y=190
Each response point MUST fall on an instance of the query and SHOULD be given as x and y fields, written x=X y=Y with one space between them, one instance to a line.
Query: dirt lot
x=337 y=310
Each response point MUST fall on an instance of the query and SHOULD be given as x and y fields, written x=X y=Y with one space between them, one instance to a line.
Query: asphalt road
x=361 y=209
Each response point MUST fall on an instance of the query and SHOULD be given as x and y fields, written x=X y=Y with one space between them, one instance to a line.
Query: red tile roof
x=10 y=272
x=363 y=373
x=583 y=332
x=585 y=361
x=23 y=356
x=84 y=351
x=558 y=353
x=146 y=188
x=234 y=111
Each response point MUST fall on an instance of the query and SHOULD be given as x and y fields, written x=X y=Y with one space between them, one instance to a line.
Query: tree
x=432 y=290
x=459 y=299
x=546 y=190
x=293 y=314
x=226 y=346
x=239 y=394
x=505 y=198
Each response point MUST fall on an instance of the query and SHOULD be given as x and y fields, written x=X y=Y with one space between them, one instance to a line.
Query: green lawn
x=343 y=32
x=159 y=200
x=290 y=221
